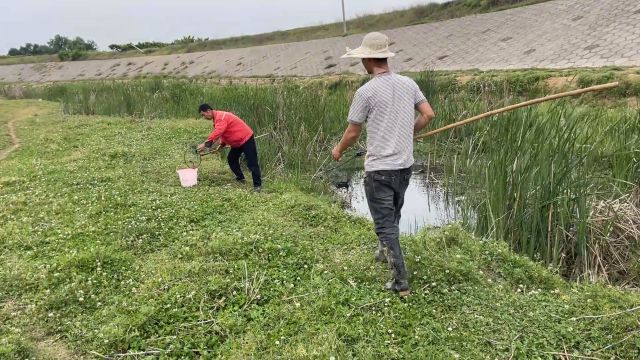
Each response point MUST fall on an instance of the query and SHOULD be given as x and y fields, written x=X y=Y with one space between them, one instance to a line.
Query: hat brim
x=361 y=53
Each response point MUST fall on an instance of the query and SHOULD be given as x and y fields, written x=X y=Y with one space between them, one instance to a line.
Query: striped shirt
x=387 y=104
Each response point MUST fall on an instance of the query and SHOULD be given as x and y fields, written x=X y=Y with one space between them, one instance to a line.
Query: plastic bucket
x=188 y=177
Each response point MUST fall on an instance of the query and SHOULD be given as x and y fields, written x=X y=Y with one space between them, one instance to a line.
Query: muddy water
x=427 y=202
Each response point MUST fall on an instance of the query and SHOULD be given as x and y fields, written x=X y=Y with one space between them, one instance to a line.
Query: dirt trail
x=18 y=115
x=45 y=347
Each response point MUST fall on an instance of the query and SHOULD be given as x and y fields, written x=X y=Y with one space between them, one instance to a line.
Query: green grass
x=102 y=252
x=541 y=172
x=299 y=128
x=5 y=140
x=418 y=14
x=531 y=176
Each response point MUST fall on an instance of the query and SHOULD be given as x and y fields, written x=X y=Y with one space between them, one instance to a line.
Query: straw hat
x=375 y=45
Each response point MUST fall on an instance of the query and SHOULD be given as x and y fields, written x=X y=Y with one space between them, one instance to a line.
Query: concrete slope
x=555 y=34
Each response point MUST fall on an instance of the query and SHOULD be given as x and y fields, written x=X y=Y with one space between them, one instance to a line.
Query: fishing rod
x=518 y=106
x=320 y=171
x=602 y=87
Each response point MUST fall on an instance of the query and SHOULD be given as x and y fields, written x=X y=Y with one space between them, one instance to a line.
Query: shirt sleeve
x=219 y=129
x=418 y=96
x=360 y=108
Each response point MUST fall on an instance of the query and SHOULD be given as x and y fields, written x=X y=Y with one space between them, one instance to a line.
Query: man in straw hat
x=387 y=103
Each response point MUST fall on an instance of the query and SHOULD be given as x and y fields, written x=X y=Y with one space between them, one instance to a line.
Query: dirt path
x=45 y=347
x=21 y=114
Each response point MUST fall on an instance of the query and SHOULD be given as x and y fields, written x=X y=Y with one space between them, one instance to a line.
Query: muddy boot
x=381 y=255
x=400 y=287
x=400 y=282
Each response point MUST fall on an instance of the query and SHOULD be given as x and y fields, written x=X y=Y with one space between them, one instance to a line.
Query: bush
x=72 y=55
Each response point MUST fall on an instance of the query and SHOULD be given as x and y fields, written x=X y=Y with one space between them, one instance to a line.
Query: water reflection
x=427 y=202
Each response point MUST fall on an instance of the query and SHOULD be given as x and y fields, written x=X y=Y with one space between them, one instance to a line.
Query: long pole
x=344 y=18
x=137 y=48
x=520 y=105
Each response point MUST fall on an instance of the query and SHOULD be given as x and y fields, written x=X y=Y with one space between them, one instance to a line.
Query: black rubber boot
x=400 y=287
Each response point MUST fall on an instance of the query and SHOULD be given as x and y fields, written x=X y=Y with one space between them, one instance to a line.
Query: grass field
x=102 y=253
x=418 y=14
x=531 y=176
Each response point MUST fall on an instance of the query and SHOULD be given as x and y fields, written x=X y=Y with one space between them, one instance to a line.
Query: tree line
x=66 y=48
x=77 y=48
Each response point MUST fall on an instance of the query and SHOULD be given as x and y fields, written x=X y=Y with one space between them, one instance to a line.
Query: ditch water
x=427 y=202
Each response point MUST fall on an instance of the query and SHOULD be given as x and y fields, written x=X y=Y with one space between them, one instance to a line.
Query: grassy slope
x=5 y=139
x=415 y=15
x=101 y=250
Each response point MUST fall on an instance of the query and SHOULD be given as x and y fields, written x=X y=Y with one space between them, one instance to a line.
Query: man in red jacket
x=228 y=129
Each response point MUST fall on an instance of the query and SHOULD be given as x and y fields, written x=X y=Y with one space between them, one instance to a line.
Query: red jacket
x=230 y=129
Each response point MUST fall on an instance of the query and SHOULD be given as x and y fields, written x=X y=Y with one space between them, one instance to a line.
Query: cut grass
x=102 y=250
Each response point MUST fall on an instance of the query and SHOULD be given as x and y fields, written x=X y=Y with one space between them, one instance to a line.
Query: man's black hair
x=204 y=108
x=383 y=61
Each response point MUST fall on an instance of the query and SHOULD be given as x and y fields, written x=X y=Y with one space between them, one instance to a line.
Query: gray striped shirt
x=387 y=103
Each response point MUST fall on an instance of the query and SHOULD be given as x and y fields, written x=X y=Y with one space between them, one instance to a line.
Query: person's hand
x=336 y=153
x=201 y=147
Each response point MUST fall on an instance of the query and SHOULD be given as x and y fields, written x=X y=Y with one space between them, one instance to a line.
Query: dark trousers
x=385 y=191
x=251 y=154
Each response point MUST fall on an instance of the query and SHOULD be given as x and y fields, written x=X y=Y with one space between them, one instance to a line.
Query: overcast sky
x=122 y=21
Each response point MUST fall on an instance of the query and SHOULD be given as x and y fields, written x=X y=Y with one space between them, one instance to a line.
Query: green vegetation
x=418 y=14
x=102 y=253
x=300 y=128
x=5 y=140
x=65 y=48
x=547 y=174
x=149 y=46
x=534 y=177
x=415 y=15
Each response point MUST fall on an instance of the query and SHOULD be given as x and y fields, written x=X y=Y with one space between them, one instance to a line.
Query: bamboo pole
x=520 y=105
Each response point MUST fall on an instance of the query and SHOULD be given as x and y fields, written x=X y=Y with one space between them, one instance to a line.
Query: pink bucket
x=188 y=177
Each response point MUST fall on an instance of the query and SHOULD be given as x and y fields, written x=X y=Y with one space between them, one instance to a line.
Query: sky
x=122 y=21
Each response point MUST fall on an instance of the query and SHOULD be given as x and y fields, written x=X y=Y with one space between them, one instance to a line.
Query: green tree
x=59 y=43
